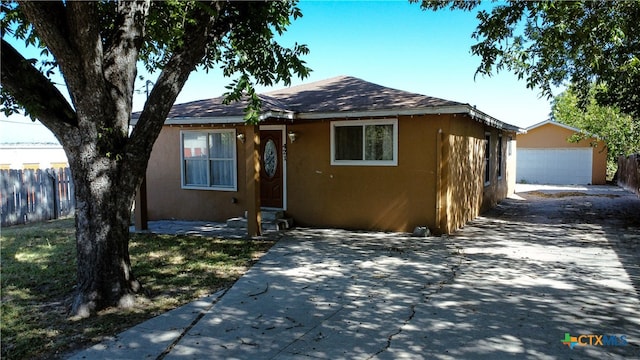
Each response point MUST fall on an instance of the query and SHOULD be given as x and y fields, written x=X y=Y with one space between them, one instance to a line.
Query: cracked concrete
x=326 y=289
x=508 y=285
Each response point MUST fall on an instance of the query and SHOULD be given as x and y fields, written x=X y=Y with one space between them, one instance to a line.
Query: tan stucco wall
x=396 y=198
x=465 y=194
x=438 y=182
x=554 y=136
x=166 y=198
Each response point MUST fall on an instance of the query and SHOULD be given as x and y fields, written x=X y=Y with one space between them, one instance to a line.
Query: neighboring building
x=545 y=156
x=341 y=153
x=32 y=156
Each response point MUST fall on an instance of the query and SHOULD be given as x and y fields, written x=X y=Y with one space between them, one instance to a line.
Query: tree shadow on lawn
x=38 y=278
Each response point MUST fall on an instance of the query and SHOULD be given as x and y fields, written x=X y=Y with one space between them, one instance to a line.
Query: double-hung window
x=209 y=160
x=365 y=142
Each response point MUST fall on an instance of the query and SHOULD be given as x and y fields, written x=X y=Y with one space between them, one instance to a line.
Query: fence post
x=4 y=196
x=54 y=192
x=13 y=182
x=71 y=191
x=23 y=200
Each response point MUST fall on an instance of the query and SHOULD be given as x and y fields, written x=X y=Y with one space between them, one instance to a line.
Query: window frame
x=364 y=124
x=208 y=160
x=500 y=160
x=487 y=159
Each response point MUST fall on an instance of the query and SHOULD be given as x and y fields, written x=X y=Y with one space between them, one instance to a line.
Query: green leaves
x=242 y=39
x=243 y=43
x=251 y=52
x=553 y=43
x=620 y=133
x=242 y=89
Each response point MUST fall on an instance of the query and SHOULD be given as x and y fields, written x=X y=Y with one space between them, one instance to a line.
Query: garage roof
x=534 y=126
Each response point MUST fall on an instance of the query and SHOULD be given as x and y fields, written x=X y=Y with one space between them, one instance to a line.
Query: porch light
x=241 y=137
x=292 y=136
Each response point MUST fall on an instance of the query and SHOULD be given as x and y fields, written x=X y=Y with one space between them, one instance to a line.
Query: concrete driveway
x=511 y=284
x=550 y=261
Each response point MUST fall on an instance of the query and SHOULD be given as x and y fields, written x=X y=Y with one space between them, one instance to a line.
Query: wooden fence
x=629 y=172
x=35 y=195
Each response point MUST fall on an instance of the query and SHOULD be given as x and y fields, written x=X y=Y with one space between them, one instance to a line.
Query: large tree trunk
x=99 y=67
x=104 y=190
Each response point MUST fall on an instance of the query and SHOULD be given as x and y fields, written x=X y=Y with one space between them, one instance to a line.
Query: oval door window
x=270 y=158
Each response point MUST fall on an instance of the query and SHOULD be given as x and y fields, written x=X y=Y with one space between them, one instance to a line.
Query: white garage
x=546 y=156
x=554 y=165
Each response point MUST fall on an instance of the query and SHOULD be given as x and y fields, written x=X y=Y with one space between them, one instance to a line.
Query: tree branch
x=121 y=55
x=35 y=91
x=85 y=43
x=49 y=21
x=205 y=30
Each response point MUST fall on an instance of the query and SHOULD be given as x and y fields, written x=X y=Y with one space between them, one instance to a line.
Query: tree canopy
x=621 y=134
x=553 y=43
x=97 y=47
x=240 y=39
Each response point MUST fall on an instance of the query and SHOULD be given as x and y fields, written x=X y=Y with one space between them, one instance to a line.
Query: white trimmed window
x=209 y=160
x=365 y=142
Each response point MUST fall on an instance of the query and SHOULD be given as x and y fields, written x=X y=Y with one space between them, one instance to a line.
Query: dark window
x=499 y=156
x=348 y=142
x=365 y=142
x=487 y=159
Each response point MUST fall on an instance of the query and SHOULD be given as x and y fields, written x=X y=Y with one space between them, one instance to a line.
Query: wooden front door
x=271 y=175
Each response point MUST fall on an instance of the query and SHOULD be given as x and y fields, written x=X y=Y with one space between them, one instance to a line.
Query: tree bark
x=105 y=167
x=103 y=215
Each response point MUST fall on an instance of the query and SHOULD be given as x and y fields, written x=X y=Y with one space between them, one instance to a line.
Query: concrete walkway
x=510 y=284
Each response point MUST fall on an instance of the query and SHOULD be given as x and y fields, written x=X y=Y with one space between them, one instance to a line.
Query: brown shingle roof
x=342 y=95
x=346 y=93
x=216 y=108
x=338 y=94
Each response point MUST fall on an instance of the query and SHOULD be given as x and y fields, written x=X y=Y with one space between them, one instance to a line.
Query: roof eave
x=287 y=115
x=491 y=121
x=548 y=121
x=568 y=127
x=205 y=120
x=228 y=119
x=432 y=110
x=437 y=110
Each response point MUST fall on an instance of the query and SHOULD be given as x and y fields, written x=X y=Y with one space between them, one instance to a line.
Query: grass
x=37 y=265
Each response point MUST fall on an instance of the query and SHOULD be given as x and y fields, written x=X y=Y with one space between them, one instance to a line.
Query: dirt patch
x=564 y=194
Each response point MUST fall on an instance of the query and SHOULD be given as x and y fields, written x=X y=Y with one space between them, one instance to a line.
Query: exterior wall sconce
x=241 y=137
x=292 y=136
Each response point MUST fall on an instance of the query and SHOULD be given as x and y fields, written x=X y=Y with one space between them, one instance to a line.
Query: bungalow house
x=545 y=156
x=341 y=152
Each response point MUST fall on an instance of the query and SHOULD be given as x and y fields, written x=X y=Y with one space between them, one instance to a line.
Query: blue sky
x=391 y=43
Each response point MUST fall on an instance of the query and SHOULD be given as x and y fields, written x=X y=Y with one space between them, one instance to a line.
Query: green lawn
x=37 y=267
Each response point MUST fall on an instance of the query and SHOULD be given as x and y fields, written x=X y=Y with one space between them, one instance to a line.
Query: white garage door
x=554 y=166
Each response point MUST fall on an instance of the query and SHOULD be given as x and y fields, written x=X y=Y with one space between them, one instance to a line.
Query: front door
x=271 y=174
